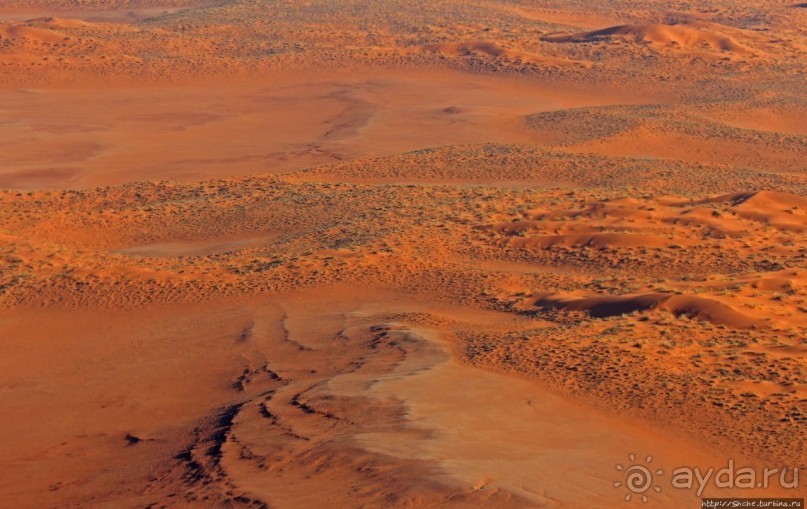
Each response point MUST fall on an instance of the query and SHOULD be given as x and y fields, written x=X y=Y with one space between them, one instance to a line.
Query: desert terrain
x=379 y=254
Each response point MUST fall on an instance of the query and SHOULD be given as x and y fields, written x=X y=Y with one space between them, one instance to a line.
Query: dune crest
x=690 y=306
x=54 y=22
x=685 y=36
x=29 y=34
x=492 y=49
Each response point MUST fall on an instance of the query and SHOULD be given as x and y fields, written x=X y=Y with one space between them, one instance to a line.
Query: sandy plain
x=399 y=254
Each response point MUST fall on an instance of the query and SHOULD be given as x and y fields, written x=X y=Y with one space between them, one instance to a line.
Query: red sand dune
x=690 y=306
x=690 y=36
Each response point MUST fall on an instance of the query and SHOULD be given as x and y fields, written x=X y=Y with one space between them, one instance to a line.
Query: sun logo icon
x=638 y=478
